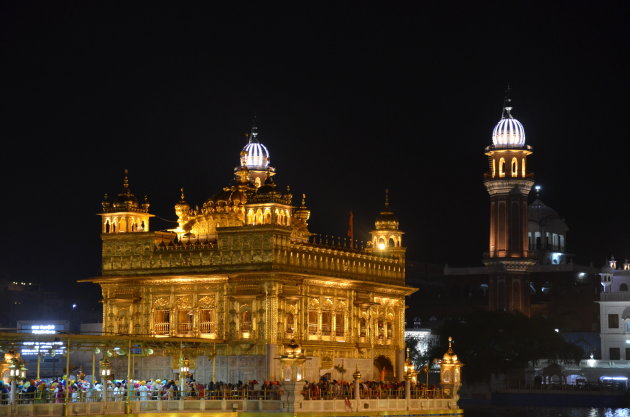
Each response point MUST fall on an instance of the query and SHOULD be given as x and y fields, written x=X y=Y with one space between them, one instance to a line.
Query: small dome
x=254 y=155
x=229 y=195
x=539 y=211
x=508 y=133
x=386 y=218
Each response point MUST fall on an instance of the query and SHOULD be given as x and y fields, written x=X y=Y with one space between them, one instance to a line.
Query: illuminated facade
x=614 y=310
x=508 y=183
x=244 y=274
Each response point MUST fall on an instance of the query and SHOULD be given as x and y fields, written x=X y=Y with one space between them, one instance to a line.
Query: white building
x=614 y=311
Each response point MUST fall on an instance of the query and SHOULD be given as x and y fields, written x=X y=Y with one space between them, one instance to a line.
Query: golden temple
x=244 y=273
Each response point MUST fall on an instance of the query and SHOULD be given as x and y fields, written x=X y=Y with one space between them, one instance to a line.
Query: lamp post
x=184 y=368
x=106 y=371
x=357 y=390
x=409 y=374
x=17 y=371
x=450 y=372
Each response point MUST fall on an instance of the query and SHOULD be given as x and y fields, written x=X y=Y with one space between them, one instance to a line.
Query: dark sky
x=349 y=102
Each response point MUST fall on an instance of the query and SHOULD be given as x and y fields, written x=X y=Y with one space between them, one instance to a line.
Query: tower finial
x=386 y=198
x=507 y=103
x=182 y=194
x=126 y=180
x=450 y=343
x=538 y=188
x=254 y=132
x=303 y=201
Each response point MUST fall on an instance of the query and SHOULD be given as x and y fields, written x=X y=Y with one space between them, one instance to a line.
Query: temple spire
x=507 y=104
x=253 y=134
x=126 y=181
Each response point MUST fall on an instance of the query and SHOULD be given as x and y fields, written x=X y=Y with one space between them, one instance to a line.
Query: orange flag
x=351 y=229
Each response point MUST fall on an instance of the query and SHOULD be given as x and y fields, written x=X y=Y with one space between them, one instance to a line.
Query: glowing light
x=43 y=329
x=381 y=246
x=255 y=155
x=509 y=133
x=556 y=330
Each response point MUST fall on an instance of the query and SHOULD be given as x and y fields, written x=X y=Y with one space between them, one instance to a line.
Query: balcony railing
x=206 y=327
x=615 y=296
x=184 y=327
x=162 y=328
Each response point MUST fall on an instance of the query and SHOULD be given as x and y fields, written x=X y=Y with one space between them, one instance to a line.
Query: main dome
x=254 y=155
x=509 y=132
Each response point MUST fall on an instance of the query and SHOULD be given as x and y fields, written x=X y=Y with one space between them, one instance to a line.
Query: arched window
x=514 y=167
x=391 y=242
x=107 y=226
x=502 y=167
x=246 y=321
x=494 y=168
x=267 y=216
x=259 y=217
x=339 y=324
x=312 y=322
x=161 y=322
x=362 y=327
x=623 y=287
x=206 y=320
x=523 y=167
x=250 y=216
x=290 y=323
x=326 y=322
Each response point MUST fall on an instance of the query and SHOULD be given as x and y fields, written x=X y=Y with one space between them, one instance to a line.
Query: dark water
x=508 y=411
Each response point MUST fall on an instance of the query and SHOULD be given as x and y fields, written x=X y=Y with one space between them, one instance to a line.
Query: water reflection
x=499 y=411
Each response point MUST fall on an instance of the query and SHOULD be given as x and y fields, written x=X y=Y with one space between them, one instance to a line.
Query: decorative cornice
x=506 y=186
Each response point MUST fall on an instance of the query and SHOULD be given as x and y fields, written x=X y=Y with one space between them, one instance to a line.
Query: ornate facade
x=243 y=274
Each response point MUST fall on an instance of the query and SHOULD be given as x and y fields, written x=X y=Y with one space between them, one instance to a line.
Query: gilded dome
x=386 y=218
x=229 y=195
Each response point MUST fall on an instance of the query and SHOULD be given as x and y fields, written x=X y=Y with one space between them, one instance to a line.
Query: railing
x=615 y=296
x=346 y=391
x=162 y=328
x=51 y=397
x=206 y=327
x=92 y=402
x=184 y=327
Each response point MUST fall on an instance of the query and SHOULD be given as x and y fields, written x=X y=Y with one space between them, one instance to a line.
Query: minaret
x=125 y=214
x=387 y=238
x=508 y=183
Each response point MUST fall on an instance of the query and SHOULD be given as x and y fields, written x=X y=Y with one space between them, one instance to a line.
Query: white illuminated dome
x=254 y=155
x=509 y=132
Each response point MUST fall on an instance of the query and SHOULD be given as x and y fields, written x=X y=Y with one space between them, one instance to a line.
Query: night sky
x=349 y=102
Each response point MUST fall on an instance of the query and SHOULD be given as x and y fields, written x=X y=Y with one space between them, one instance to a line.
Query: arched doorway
x=383 y=369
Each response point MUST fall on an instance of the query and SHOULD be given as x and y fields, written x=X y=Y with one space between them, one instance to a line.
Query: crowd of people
x=78 y=390
x=340 y=390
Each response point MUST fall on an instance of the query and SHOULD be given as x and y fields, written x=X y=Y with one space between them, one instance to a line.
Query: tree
x=497 y=342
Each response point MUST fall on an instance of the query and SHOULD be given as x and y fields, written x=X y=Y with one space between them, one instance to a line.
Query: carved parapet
x=506 y=186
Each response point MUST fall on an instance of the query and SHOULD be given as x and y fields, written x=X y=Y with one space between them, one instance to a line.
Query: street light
x=106 y=369
x=17 y=371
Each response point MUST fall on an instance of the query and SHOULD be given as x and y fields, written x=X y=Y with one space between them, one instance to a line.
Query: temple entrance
x=383 y=369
